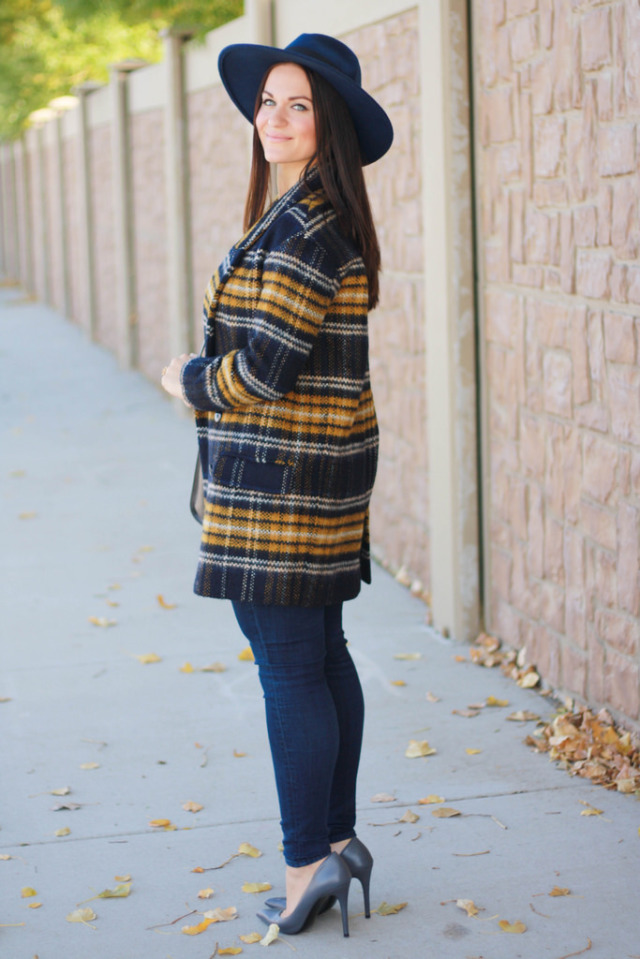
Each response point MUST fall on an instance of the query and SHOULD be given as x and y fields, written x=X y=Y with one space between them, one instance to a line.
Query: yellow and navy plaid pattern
x=285 y=416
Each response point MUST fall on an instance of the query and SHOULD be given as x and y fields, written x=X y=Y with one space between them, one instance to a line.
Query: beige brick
x=548 y=141
x=604 y=214
x=625 y=228
x=547 y=647
x=574 y=664
x=579 y=355
x=532 y=436
x=581 y=149
x=575 y=624
x=599 y=524
x=536 y=236
x=602 y=576
x=497 y=116
x=619 y=283
x=552 y=606
x=624 y=394
x=551 y=323
x=541 y=87
x=535 y=530
x=516 y=222
x=574 y=559
x=605 y=97
x=621 y=632
x=600 y=458
x=593 y=416
x=557 y=374
x=567 y=252
x=633 y=284
x=596 y=655
x=573 y=474
x=550 y=193
x=593 y=271
x=523 y=38
x=629 y=559
x=627 y=43
x=517 y=8
x=518 y=513
x=617 y=149
x=584 y=226
x=527 y=276
x=619 y=337
x=554 y=487
x=553 y=551
x=503 y=312
x=621 y=683
x=525 y=591
x=595 y=36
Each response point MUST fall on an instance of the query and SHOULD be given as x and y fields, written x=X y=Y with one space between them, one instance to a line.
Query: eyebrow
x=301 y=97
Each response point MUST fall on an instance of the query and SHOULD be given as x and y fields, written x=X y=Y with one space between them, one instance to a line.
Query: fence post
x=62 y=238
x=87 y=240
x=177 y=179
x=26 y=259
x=41 y=211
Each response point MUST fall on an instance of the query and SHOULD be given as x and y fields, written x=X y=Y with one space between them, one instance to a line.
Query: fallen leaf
x=122 y=878
x=559 y=891
x=187 y=668
x=192 y=806
x=529 y=680
x=146 y=549
x=417 y=748
x=230 y=951
x=383 y=797
x=385 y=909
x=256 y=886
x=163 y=603
x=17 y=474
x=214 y=668
x=222 y=915
x=90 y=766
x=432 y=698
x=102 y=621
x=112 y=604
x=397 y=682
x=149 y=658
x=445 y=812
x=590 y=810
x=252 y=937
x=469 y=906
x=409 y=817
x=114 y=586
x=31 y=514
x=430 y=800
x=271 y=934
x=65 y=831
x=246 y=849
x=34 y=905
x=460 y=659
x=82 y=915
x=205 y=893
x=246 y=656
x=198 y=869
x=162 y=824
x=467 y=713
x=512 y=927
x=5 y=699
x=5 y=857
x=63 y=791
x=523 y=716
x=121 y=891
x=28 y=892
x=472 y=752
x=238 y=754
x=66 y=805
x=408 y=656
x=196 y=930
x=492 y=701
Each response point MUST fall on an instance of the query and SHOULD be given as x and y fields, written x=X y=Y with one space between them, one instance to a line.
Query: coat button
x=217 y=417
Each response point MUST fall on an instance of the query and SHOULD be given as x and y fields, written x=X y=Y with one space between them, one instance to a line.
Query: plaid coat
x=286 y=424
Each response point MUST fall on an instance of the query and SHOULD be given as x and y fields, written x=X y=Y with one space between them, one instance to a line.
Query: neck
x=287 y=175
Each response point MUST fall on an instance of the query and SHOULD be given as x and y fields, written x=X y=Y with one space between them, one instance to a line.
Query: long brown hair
x=339 y=165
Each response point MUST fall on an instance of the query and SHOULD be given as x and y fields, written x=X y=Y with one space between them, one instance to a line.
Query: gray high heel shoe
x=331 y=879
x=360 y=863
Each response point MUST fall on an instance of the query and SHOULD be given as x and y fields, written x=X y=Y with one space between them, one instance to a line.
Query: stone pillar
x=87 y=267
x=62 y=237
x=450 y=328
x=4 y=231
x=177 y=197
x=125 y=299
x=26 y=259
x=41 y=212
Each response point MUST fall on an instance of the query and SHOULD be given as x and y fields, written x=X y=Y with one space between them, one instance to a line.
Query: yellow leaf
x=214 y=668
x=222 y=915
x=460 y=659
x=468 y=905
x=246 y=656
x=256 y=886
x=409 y=816
x=529 y=680
x=383 y=797
x=187 y=668
x=28 y=892
x=162 y=824
x=246 y=849
x=384 y=909
x=122 y=878
x=205 y=894
x=65 y=831
x=192 y=806
x=408 y=656
x=196 y=930
x=271 y=934
x=592 y=811
x=90 y=766
x=114 y=586
x=430 y=800
x=432 y=698
x=238 y=755
x=64 y=791
x=559 y=891
x=445 y=812
x=472 y=752
x=252 y=937
x=102 y=621
x=398 y=682
x=523 y=716
x=512 y=927
x=5 y=857
x=112 y=604
x=5 y=699
x=230 y=951
x=34 y=905
x=198 y=869
x=120 y=892
x=163 y=603
x=418 y=748
x=31 y=514
x=146 y=549
x=492 y=701
x=82 y=915
x=149 y=658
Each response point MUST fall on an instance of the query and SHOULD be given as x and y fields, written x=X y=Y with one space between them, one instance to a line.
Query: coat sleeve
x=299 y=282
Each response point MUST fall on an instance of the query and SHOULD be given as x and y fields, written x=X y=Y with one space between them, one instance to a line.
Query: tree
x=49 y=46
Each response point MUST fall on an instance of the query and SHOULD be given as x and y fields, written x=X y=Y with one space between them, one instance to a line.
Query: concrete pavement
x=96 y=467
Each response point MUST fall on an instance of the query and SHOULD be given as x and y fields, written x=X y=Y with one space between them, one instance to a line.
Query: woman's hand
x=170 y=380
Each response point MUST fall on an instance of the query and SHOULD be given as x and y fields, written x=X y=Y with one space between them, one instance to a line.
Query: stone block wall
x=558 y=97
x=101 y=164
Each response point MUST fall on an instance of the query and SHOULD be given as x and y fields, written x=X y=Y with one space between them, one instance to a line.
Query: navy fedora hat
x=243 y=65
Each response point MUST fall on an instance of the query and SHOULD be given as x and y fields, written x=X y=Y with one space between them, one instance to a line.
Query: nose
x=277 y=117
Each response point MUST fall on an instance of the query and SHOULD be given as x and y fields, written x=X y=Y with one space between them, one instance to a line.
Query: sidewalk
x=104 y=462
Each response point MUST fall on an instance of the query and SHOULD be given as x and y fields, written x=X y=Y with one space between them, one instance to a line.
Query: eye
x=300 y=107
x=267 y=102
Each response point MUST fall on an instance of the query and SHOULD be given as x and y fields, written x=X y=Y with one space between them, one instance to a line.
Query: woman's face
x=286 y=123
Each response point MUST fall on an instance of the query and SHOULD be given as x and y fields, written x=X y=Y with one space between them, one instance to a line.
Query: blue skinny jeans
x=315 y=714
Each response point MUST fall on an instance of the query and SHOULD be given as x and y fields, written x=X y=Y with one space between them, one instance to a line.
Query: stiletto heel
x=360 y=863
x=331 y=879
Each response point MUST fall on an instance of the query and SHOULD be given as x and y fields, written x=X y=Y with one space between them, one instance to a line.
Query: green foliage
x=49 y=46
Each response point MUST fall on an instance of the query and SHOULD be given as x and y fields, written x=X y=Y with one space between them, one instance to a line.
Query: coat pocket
x=241 y=472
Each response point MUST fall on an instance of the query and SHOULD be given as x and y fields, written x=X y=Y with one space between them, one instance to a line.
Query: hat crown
x=332 y=52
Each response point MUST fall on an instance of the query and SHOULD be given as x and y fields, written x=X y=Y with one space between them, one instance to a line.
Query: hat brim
x=243 y=65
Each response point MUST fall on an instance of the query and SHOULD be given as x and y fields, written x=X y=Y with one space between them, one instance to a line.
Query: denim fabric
x=315 y=715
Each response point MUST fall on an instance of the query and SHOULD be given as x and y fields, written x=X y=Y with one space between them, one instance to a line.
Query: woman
x=288 y=438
